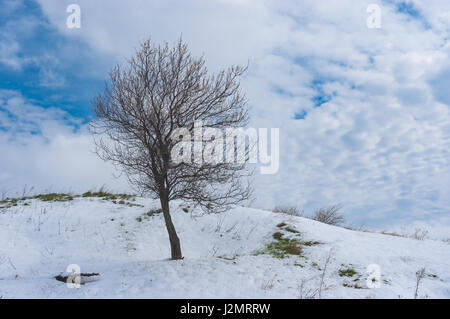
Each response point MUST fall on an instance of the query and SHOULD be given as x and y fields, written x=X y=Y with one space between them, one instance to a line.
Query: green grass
x=277 y=235
x=347 y=272
x=233 y=257
x=54 y=197
x=50 y=197
x=292 y=230
x=282 y=247
x=65 y=197
x=153 y=212
x=349 y=285
x=316 y=265
x=147 y=215
x=109 y=196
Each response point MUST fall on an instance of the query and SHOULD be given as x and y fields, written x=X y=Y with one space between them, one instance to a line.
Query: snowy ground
x=130 y=249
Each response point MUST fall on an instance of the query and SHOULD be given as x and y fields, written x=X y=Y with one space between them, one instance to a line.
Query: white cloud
x=42 y=148
x=380 y=145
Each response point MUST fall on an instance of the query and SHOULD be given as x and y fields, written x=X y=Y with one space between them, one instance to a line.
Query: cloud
x=374 y=134
x=47 y=149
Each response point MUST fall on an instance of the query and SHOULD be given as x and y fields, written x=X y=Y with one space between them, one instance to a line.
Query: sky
x=364 y=113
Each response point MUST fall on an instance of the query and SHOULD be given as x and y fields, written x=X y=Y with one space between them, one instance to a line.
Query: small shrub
x=282 y=224
x=419 y=234
x=329 y=215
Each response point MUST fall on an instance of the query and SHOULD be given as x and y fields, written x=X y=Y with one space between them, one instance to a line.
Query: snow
x=39 y=241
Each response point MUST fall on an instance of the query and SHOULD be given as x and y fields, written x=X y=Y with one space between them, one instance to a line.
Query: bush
x=292 y=211
x=329 y=215
x=419 y=234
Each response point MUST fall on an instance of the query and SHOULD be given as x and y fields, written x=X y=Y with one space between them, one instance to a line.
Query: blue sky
x=363 y=113
x=54 y=70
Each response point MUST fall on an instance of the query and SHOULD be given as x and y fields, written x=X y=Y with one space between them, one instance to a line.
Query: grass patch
x=350 y=285
x=292 y=230
x=347 y=272
x=233 y=257
x=54 y=197
x=153 y=212
x=277 y=235
x=149 y=214
x=310 y=243
x=65 y=197
x=50 y=197
x=282 y=248
x=108 y=196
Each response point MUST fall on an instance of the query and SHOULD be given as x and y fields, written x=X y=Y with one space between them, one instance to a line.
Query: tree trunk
x=175 y=246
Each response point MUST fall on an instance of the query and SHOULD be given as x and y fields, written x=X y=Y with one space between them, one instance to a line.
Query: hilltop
x=243 y=253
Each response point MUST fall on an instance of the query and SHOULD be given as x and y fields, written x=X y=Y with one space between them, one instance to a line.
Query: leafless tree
x=159 y=90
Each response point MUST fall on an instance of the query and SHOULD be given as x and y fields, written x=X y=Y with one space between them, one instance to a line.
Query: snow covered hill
x=244 y=253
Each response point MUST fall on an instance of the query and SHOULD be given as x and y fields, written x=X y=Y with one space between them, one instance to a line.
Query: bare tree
x=161 y=90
